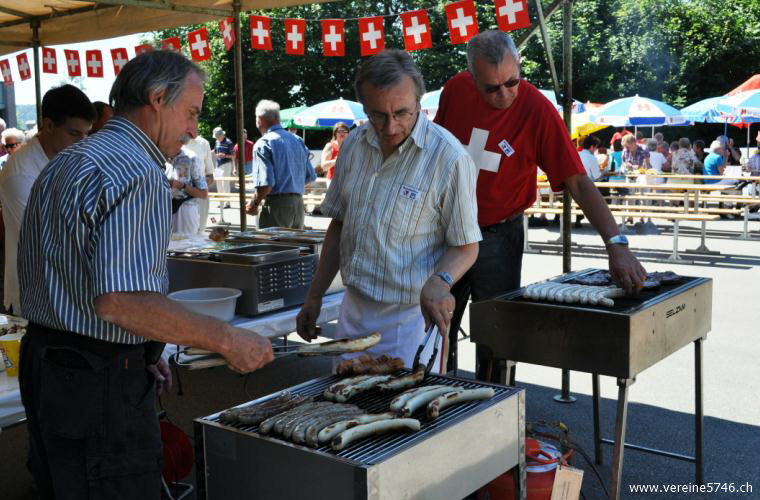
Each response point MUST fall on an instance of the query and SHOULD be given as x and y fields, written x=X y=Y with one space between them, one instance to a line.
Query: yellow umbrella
x=581 y=124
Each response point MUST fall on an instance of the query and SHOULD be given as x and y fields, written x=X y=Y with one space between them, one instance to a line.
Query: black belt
x=495 y=227
x=283 y=194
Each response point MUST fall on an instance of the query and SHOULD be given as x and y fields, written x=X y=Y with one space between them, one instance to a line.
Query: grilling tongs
x=429 y=366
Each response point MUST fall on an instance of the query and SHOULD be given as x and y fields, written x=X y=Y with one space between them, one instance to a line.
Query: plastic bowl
x=218 y=303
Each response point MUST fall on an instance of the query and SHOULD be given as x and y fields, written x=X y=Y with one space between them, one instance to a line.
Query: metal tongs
x=429 y=366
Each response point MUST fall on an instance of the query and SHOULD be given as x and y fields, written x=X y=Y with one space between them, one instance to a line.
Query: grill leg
x=526 y=244
x=745 y=232
x=698 y=413
x=598 y=457
x=620 y=422
x=674 y=257
x=565 y=396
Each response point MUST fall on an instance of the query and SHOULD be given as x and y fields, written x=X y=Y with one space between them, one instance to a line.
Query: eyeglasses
x=490 y=89
x=379 y=119
x=13 y=145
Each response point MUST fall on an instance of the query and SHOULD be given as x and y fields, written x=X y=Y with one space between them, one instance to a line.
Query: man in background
x=202 y=149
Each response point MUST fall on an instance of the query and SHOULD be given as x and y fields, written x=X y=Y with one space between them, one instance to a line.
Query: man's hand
x=163 y=376
x=252 y=207
x=626 y=270
x=306 y=321
x=175 y=184
x=248 y=351
x=437 y=304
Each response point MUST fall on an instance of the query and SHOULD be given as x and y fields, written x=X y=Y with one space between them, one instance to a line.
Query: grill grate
x=374 y=450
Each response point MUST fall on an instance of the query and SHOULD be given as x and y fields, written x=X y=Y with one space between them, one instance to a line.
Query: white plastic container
x=218 y=303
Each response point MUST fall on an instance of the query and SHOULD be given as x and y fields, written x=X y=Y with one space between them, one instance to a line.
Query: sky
x=97 y=89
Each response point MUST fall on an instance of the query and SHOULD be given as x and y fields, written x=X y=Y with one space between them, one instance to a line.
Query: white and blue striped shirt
x=98 y=221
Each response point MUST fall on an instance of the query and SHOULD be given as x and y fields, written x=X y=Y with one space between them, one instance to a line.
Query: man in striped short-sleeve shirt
x=92 y=266
x=404 y=217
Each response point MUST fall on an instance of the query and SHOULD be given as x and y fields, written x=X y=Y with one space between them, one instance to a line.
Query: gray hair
x=218 y=132
x=15 y=133
x=269 y=110
x=149 y=73
x=684 y=142
x=2 y=124
x=492 y=45
x=652 y=145
x=386 y=69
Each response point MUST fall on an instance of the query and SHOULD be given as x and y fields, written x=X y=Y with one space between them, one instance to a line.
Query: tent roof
x=72 y=21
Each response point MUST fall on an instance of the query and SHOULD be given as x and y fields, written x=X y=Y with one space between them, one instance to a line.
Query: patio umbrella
x=287 y=114
x=742 y=104
x=429 y=103
x=578 y=106
x=581 y=124
x=637 y=111
x=751 y=83
x=327 y=114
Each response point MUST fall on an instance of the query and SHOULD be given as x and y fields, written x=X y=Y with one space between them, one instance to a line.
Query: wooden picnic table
x=665 y=175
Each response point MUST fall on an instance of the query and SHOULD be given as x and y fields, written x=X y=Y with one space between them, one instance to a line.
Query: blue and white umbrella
x=429 y=103
x=578 y=106
x=706 y=111
x=741 y=104
x=327 y=114
x=637 y=111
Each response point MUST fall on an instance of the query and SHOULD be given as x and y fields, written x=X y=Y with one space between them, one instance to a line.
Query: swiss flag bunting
x=333 y=37
x=463 y=23
x=5 y=69
x=24 y=70
x=371 y=35
x=197 y=40
x=72 y=62
x=172 y=43
x=227 y=29
x=94 y=62
x=49 y=60
x=295 y=36
x=119 y=58
x=416 y=29
x=139 y=49
x=261 y=35
x=512 y=14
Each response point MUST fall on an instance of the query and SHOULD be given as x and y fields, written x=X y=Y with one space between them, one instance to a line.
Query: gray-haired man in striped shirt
x=92 y=264
x=404 y=216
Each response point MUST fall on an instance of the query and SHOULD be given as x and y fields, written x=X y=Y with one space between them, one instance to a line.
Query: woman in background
x=330 y=151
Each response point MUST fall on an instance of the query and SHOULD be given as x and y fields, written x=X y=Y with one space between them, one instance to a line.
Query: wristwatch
x=446 y=277
x=618 y=239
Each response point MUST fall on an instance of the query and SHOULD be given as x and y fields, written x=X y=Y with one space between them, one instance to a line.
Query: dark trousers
x=495 y=272
x=92 y=423
x=283 y=210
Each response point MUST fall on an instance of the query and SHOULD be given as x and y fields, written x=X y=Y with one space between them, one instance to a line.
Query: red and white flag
x=463 y=23
x=261 y=35
x=24 y=70
x=333 y=37
x=173 y=43
x=140 y=49
x=49 y=60
x=94 y=62
x=227 y=29
x=512 y=14
x=295 y=36
x=200 y=50
x=415 y=26
x=371 y=35
x=120 y=59
x=5 y=69
x=72 y=62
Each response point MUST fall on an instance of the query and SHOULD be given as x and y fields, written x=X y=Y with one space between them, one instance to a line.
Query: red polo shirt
x=528 y=134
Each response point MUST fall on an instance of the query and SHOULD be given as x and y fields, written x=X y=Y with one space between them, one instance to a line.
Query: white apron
x=401 y=325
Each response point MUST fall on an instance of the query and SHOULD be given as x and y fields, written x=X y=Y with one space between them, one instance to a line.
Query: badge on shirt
x=506 y=148
x=409 y=192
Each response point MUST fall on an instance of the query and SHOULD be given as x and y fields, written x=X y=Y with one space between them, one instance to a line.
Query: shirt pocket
x=408 y=211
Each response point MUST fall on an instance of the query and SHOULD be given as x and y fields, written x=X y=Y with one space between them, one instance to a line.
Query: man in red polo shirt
x=510 y=128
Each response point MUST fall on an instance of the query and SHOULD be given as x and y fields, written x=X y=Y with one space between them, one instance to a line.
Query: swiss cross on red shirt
x=23 y=67
x=94 y=62
x=371 y=35
x=512 y=14
x=5 y=69
x=333 y=37
x=119 y=58
x=261 y=35
x=173 y=44
x=228 y=32
x=295 y=36
x=200 y=50
x=463 y=23
x=72 y=62
x=49 y=60
x=139 y=49
x=416 y=29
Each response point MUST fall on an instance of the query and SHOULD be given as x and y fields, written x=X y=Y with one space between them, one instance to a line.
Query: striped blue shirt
x=285 y=159
x=98 y=221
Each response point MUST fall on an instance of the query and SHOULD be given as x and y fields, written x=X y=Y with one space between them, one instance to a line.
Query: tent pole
x=239 y=112
x=36 y=52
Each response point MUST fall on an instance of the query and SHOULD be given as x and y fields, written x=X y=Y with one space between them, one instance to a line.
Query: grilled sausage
x=450 y=398
x=298 y=433
x=327 y=434
x=349 y=391
x=398 y=402
x=330 y=392
x=311 y=435
x=419 y=400
x=354 y=434
x=403 y=382
x=280 y=423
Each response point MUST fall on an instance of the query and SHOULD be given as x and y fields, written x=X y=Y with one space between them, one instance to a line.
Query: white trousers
x=187 y=218
x=203 y=205
x=401 y=325
x=223 y=170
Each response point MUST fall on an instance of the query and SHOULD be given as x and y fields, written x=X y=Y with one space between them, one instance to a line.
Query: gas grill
x=467 y=446
x=619 y=341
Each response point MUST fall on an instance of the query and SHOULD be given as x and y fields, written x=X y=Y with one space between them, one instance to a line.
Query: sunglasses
x=11 y=146
x=490 y=89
